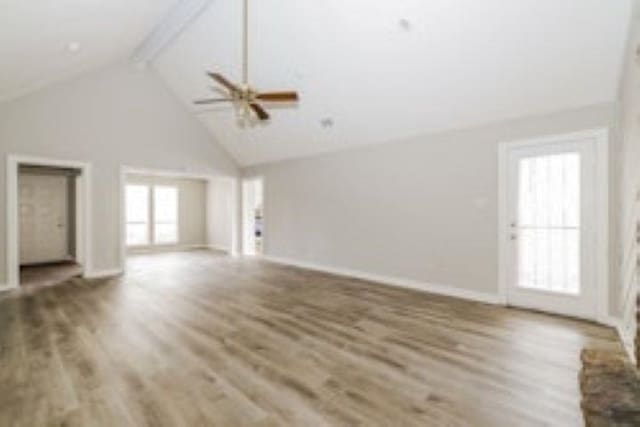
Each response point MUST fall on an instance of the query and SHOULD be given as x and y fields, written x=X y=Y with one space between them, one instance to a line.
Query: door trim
x=84 y=241
x=601 y=138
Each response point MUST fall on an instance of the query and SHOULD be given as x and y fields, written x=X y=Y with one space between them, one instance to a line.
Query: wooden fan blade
x=260 y=112
x=278 y=96
x=224 y=82
x=211 y=101
x=220 y=91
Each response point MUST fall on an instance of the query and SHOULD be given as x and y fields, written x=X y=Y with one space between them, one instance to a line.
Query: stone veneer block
x=610 y=388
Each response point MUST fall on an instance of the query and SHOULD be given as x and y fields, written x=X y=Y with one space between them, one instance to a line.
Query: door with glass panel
x=551 y=227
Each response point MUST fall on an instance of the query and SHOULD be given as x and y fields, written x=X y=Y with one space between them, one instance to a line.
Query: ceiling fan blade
x=211 y=101
x=278 y=96
x=260 y=112
x=220 y=91
x=224 y=82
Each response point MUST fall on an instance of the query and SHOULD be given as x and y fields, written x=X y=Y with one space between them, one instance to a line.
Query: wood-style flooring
x=37 y=276
x=199 y=339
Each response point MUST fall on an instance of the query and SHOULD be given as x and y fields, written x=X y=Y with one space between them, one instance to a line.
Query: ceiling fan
x=243 y=94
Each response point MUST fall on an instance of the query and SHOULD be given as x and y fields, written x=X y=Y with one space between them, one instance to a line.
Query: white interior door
x=43 y=202
x=552 y=228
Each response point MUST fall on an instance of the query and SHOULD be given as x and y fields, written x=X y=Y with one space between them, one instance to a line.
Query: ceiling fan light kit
x=247 y=99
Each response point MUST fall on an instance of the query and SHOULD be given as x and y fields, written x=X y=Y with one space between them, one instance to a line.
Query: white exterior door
x=43 y=209
x=551 y=231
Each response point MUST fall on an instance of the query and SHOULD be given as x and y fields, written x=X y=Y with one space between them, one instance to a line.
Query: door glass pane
x=137 y=210
x=165 y=204
x=165 y=215
x=166 y=234
x=137 y=203
x=549 y=223
x=137 y=234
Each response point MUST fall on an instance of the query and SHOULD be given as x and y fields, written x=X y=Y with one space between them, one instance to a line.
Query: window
x=137 y=199
x=165 y=208
x=151 y=220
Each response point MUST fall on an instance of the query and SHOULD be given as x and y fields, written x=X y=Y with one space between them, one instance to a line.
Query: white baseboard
x=628 y=340
x=161 y=249
x=219 y=248
x=5 y=287
x=626 y=336
x=611 y=321
x=447 y=290
x=102 y=274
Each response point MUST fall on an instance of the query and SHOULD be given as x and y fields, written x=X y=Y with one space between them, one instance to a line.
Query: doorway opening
x=554 y=224
x=47 y=203
x=163 y=211
x=253 y=216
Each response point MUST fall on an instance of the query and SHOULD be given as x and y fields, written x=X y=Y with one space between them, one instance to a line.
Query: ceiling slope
x=35 y=38
x=386 y=70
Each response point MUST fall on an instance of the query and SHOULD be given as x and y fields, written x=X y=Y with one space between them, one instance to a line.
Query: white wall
x=112 y=117
x=424 y=209
x=627 y=212
x=192 y=206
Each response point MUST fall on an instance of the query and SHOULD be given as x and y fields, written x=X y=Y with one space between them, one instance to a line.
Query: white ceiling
x=34 y=35
x=462 y=63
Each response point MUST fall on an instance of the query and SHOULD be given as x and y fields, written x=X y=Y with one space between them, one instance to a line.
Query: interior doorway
x=253 y=216
x=47 y=207
x=48 y=224
x=554 y=225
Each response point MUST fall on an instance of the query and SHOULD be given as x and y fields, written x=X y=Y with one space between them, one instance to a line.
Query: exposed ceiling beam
x=176 y=21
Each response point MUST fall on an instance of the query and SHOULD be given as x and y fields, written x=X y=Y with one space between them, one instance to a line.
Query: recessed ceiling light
x=327 y=122
x=73 y=47
x=405 y=24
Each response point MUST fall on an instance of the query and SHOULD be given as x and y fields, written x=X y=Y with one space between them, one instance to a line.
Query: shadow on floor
x=43 y=275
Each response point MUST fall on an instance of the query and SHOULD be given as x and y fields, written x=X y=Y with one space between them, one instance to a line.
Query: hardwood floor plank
x=197 y=338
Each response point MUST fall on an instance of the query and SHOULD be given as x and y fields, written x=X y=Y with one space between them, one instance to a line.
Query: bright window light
x=165 y=208
x=549 y=222
x=137 y=200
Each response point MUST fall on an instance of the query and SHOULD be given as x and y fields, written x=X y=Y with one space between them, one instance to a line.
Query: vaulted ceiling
x=384 y=70
x=379 y=71
x=45 y=41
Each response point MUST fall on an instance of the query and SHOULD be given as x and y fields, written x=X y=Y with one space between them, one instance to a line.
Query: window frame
x=151 y=217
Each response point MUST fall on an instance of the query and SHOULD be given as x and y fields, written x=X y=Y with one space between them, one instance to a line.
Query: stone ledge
x=610 y=387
